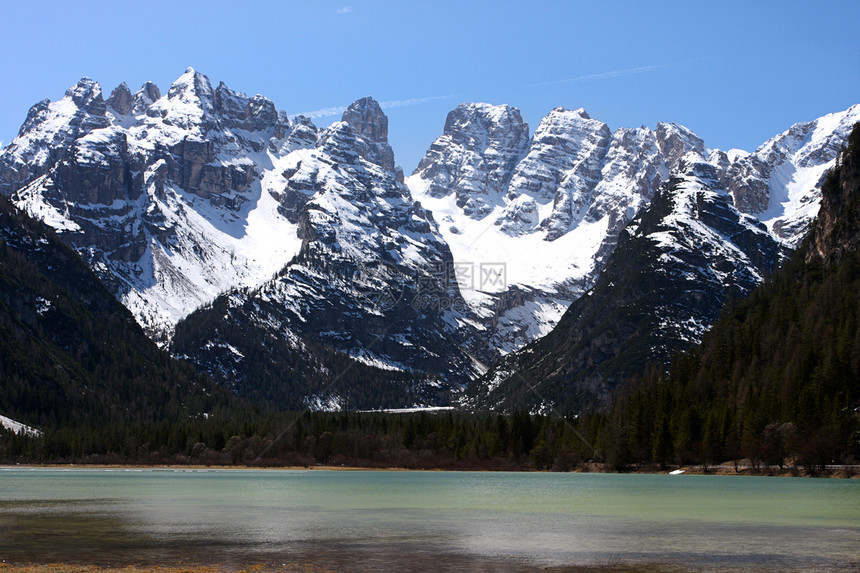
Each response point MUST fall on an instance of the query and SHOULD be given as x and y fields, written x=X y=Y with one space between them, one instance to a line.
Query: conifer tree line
x=447 y=440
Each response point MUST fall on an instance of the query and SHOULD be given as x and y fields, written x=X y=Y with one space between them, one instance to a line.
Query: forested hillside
x=778 y=377
x=71 y=356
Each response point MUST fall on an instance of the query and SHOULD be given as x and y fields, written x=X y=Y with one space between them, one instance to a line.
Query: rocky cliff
x=548 y=210
x=837 y=228
x=370 y=282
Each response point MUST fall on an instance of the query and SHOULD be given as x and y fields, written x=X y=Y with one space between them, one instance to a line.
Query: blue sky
x=736 y=73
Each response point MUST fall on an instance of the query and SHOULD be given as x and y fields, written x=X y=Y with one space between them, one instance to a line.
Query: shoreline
x=836 y=472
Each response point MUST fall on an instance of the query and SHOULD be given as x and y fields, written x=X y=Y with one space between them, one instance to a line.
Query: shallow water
x=426 y=520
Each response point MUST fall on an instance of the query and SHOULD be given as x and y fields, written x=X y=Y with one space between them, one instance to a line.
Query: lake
x=419 y=521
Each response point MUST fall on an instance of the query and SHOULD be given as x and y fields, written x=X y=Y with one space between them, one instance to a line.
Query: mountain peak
x=120 y=99
x=191 y=82
x=87 y=95
x=675 y=141
x=563 y=110
x=475 y=156
x=366 y=118
x=147 y=95
x=83 y=90
x=566 y=116
x=190 y=100
x=470 y=119
x=150 y=90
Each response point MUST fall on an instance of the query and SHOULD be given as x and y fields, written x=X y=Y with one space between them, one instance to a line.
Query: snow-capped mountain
x=780 y=182
x=177 y=199
x=665 y=288
x=168 y=198
x=307 y=242
x=546 y=212
x=371 y=280
x=675 y=266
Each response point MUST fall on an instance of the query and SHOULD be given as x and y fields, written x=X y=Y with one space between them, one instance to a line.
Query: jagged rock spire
x=366 y=117
x=120 y=99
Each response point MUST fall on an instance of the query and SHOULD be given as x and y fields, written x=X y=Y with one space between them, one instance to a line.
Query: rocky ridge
x=157 y=193
x=550 y=211
x=675 y=266
x=780 y=182
x=368 y=282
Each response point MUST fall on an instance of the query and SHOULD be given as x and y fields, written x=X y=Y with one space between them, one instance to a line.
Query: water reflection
x=418 y=521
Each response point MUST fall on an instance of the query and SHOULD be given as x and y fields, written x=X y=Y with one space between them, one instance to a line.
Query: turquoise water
x=426 y=520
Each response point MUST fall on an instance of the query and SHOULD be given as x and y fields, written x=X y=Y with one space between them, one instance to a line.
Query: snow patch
x=317 y=403
x=19 y=428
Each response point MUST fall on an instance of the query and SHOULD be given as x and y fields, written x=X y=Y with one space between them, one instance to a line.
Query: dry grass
x=68 y=568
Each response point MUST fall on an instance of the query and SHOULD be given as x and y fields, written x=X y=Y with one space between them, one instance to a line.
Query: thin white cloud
x=324 y=112
x=344 y=10
x=390 y=104
x=617 y=73
x=410 y=102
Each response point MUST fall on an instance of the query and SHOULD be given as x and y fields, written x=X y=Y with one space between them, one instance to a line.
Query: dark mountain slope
x=70 y=352
x=779 y=374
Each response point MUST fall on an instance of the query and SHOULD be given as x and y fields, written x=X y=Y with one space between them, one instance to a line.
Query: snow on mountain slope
x=676 y=264
x=534 y=245
x=172 y=201
x=18 y=427
x=780 y=181
x=174 y=278
x=371 y=282
x=491 y=263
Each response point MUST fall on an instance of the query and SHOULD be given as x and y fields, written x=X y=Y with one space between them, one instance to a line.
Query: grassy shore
x=310 y=568
x=66 y=568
